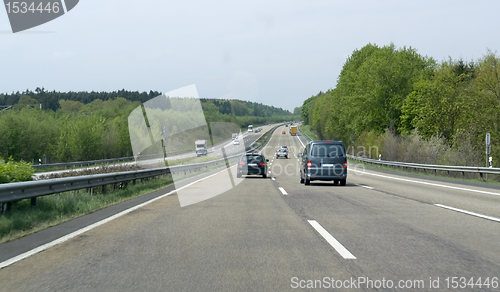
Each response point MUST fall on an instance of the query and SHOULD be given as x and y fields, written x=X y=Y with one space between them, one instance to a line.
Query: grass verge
x=306 y=129
x=22 y=219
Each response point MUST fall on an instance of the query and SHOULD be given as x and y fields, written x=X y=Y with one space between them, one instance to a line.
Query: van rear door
x=328 y=159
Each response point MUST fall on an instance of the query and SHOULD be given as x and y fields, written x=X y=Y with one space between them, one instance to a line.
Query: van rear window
x=327 y=150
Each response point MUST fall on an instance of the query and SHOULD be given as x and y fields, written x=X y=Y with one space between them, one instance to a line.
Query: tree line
x=94 y=125
x=388 y=97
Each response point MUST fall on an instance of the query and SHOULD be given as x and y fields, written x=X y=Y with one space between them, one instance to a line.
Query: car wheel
x=343 y=182
x=335 y=181
x=307 y=182
x=264 y=175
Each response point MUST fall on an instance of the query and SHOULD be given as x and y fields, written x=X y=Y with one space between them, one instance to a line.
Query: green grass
x=440 y=174
x=306 y=129
x=22 y=219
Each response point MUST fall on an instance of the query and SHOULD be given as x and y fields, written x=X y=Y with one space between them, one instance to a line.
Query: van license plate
x=252 y=164
x=327 y=165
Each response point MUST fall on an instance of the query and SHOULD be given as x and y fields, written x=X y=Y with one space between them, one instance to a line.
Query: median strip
x=331 y=240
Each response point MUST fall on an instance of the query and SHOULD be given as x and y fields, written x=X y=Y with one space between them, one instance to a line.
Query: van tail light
x=242 y=163
x=345 y=164
x=262 y=164
x=309 y=164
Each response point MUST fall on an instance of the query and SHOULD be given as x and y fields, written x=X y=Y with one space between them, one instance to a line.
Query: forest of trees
x=76 y=126
x=412 y=108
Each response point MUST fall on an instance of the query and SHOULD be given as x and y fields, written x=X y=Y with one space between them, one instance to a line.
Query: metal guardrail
x=12 y=192
x=65 y=165
x=435 y=167
x=431 y=167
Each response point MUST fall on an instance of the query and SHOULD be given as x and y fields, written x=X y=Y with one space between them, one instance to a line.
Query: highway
x=247 y=138
x=383 y=231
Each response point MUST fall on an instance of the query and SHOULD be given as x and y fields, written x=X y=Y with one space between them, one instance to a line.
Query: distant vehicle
x=324 y=160
x=282 y=153
x=293 y=130
x=283 y=132
x=236 y=142
x=284 y=147
x=235 y=135
x=286 y=125
x=250 y=128
x=201 y=147
x=252 y=164
x=256 y=131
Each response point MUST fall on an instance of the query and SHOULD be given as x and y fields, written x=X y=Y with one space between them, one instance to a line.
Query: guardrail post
x=33 y=202
x=6 y=207
x=481 y=175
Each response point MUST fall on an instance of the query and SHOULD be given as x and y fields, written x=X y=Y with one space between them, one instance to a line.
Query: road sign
x=488 y=139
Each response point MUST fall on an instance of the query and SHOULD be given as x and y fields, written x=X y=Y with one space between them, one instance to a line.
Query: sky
x=273 y=52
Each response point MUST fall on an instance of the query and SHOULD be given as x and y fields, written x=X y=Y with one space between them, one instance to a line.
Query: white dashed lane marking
x=331 y=240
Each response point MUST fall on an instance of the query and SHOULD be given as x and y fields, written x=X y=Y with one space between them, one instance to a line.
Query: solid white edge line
x=283 y=191
x=426 y=183
x=468 y=212
x=301 y=142
x=92 y=226
x=331 y=240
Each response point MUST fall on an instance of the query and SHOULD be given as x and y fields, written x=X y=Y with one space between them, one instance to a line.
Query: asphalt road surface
x=381 y=232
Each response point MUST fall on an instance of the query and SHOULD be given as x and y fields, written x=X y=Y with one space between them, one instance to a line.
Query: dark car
x=252 y=164
x=325 y=161
x=282 y=153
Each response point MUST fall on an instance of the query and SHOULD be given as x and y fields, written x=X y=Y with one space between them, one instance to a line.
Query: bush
x=11 y=171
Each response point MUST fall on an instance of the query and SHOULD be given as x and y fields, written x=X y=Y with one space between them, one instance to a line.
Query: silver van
x=324 y=160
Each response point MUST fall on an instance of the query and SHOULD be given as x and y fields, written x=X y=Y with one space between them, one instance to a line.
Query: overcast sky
x=274 y=52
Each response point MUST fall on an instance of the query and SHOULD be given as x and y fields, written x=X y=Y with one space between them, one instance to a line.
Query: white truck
x=201 y=147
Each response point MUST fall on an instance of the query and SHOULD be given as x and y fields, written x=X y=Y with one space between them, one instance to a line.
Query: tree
x=437 y=104
x=25 y=101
